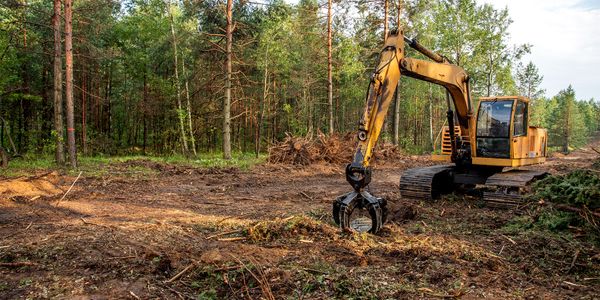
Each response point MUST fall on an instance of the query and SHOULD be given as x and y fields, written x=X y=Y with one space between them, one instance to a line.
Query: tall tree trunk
x=261 y=104
x=399 y=13
x=58 y=104
x=227 y=104
x=108 y=103
x=431 y=118
x=26 y=108
x=189 y=107
x=329 y=69
x=385 y=19
x=311 y=111
x=180 y=112
x=385 y=130
x=396 y=133
x=567 y=126
x=416 y=120
x=144 y=103
x=69 y=82
x=83 y=120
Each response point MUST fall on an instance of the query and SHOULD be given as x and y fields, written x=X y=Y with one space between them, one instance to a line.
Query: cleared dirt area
x=148 y=230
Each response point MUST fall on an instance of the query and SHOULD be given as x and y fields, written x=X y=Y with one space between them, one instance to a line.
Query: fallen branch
x=232 y=239
x=310 y=270
x=573 y=284
x=509 y=239
x=573 y=261
x=431 y=293
x=229 y=218
x=37 y=176
x=72 y=184
x=134 y=295
x=177 y=293
x=185 y=270
x=595 y=150
x=214 y=203
x=564 y=207
x=227 y=268
x=122 y=257
x=307 y=196
x=223 y=233
x=90 y=223
x=263 y=283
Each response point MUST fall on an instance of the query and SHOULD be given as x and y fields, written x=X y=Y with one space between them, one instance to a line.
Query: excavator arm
x=392 y=64
x=379 y=96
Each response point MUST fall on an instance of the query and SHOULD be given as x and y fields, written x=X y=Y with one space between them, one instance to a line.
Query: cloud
x=566 y=41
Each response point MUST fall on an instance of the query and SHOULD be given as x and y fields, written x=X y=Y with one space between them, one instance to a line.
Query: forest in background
x=150 y=77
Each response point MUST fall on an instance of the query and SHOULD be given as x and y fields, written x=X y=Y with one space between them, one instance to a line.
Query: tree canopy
x=128 y=98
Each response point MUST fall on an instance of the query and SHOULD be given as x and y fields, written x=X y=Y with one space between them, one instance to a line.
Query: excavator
x=482 y=150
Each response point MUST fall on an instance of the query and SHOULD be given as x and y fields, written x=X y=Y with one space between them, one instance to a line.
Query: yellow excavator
x=482 y=149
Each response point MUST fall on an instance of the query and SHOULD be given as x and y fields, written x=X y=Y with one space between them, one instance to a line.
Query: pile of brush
x=305 y=151
x=334 y=149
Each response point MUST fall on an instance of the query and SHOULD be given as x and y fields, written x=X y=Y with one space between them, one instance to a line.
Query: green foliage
x=96 y=165
x=207 y=295
x=518 y=224
x=558 y=220
x=124 y=67
x=529 y=80
x=579 y=188
x=548 y=220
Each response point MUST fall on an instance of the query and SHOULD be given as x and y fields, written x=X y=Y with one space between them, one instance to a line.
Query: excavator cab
x=493 y=128
x=503 y=136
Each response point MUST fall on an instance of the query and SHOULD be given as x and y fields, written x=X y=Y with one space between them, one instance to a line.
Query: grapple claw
x=360 y=211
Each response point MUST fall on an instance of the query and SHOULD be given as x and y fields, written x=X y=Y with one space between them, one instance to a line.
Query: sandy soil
x=178 y=232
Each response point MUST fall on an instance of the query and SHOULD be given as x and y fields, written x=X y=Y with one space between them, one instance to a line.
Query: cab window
x=520 y=127
x=494 y=119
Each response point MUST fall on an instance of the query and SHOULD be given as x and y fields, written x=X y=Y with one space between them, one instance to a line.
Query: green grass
x=96 y=165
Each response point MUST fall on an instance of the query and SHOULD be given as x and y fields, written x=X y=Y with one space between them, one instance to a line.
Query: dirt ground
x=156 y=231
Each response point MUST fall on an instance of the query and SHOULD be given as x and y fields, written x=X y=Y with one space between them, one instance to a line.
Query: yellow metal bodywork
x=381 y=91
x=392 y=63
x=527 y=149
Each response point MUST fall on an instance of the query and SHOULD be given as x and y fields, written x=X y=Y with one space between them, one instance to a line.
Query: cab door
x=494 y=128
x=520 y=140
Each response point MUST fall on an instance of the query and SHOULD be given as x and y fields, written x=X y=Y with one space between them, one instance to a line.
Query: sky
x=565 y=36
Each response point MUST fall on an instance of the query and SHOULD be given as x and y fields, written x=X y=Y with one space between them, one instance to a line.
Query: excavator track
x=501 y=190
x=507 y=189
x=426 y=183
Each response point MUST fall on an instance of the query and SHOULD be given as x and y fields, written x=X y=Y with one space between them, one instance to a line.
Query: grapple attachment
x=360 y=211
